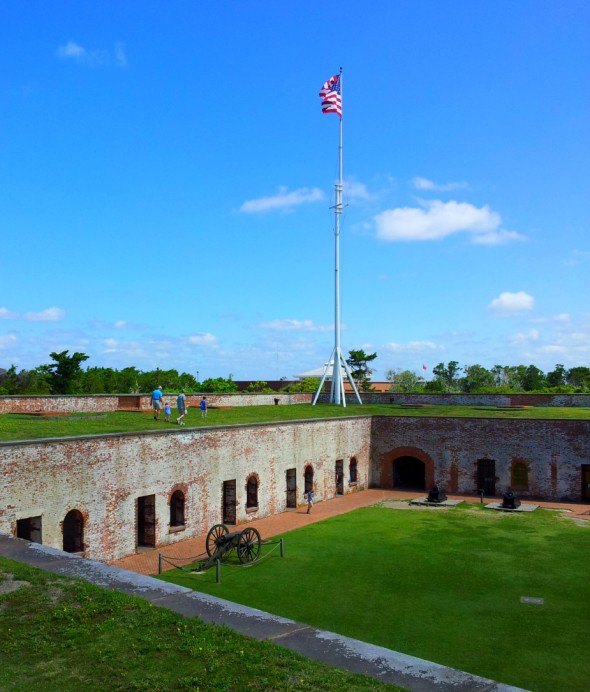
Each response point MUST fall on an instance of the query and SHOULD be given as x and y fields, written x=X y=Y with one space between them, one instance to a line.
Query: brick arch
x=183 y=487
x=387 y=459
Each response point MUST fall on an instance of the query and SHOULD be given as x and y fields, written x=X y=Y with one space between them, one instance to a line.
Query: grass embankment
x=25 y=427
x=444 y=585
x=63 y=634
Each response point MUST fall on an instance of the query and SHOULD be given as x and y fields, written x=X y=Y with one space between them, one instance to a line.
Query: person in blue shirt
x=203 y=407
x=156 y=401
x=309 y=497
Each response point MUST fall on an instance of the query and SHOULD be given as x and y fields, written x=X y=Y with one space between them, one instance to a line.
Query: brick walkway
x=146 y=561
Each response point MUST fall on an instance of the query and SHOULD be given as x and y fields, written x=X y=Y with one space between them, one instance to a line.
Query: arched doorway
x=409 y=473
x=415 y=472
x=308 y=478
x=177 y=508
x=73 y=532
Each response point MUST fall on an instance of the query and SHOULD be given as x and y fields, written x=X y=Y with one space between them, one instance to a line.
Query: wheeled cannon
x=220 y=542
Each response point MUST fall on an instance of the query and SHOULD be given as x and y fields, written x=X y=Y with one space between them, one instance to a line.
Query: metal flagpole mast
x=337 y=394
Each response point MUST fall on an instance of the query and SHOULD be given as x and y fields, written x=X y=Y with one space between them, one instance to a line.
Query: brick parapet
x=99 y=403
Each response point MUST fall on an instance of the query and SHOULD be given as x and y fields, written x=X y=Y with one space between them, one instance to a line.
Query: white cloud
x=203 y=339
x=523 y=338
x=296 y=325
x=354 y=190
x=577 y=257
x=6 y=314
x=413 y=347
x=561 y=317
x=110 y=343
x=120 y=324
x=426 y=184
x=283 y=200
x=8 y=341
x=47 y=315
x=437 y=220
x=119 y=53
x=508 y=303
x=71 y=50
x=94 y=57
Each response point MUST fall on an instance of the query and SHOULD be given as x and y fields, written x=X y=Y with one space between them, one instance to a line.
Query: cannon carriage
x=220 y=542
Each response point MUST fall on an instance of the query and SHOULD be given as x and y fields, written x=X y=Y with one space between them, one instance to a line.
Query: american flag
x=330 y=95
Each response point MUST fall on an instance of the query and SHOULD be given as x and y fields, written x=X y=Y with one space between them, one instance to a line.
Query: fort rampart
x=98 y=403
x=119 y=490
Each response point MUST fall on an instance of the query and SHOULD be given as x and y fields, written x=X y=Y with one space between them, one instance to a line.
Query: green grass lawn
x=444 y=585
x=64 y=634
x=24 y=427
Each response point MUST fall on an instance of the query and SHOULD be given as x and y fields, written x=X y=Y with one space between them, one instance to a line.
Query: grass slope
x=24 y=427
x=444 y=585
x=61 y=634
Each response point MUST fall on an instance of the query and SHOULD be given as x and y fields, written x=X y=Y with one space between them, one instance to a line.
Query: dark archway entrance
x=586 y=482
x=73 y=532
x=409 y=473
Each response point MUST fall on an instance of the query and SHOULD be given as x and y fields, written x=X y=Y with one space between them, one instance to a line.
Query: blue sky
x=166 y=177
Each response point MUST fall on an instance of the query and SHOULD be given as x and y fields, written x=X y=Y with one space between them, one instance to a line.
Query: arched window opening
x=177 y=508
x=252 y=493
x=308 y=477
x=73 y=532
x=520 y=476
x=352 y=470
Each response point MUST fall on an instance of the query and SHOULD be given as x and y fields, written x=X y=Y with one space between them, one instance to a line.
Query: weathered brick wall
x=553 y=452
x=471 y=399
x=59 y=404
x=103 y=476
x=112 y=402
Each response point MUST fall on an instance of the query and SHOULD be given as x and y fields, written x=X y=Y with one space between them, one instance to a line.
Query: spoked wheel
x=215 y=533
x=248 y=545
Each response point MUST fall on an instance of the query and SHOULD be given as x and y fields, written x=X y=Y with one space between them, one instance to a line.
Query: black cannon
x=220 y=542
x=436 y=495
x=510 y=501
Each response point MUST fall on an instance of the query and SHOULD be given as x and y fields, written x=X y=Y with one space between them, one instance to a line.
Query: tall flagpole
x=337 y=394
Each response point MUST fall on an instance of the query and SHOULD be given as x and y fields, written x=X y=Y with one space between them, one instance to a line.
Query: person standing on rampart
x=203 y=407
x=181 y=406
x=309 y=497
x=156 y=401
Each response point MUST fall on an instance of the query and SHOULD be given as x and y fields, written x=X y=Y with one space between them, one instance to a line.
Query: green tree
x=259 y=387
x=557 y=377
x=579 y=377
x=447 y=375
x=534 y=379
x=476 y=379
x=220 y=385
x=404 y=381
x=65 y=372
x=307 y=385
x=358 y=361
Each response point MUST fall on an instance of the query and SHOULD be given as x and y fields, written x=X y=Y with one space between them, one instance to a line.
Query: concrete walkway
x=343 y=652
x=146 y=561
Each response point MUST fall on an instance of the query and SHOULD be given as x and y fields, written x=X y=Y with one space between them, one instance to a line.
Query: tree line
x=65 y=375
x=500 y=379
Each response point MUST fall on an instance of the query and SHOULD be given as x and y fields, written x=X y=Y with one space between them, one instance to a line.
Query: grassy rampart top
x=15 y=427
x=79 y=637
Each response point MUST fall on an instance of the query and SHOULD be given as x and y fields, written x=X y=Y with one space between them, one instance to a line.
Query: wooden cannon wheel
x=248 y=545
x=215 y=533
